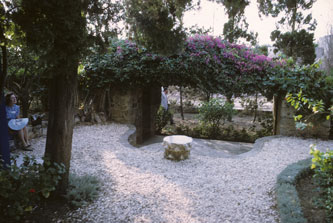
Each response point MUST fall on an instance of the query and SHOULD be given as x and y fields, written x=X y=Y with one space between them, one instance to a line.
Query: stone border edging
x=128 y=139
x=257 y=147
x=288 y=203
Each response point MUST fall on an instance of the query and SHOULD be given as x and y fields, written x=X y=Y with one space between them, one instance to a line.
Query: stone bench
x=177 y=147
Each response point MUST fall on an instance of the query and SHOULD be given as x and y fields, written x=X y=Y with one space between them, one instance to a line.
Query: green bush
x=322 y=163
x=214 y=113
x=82 y=189
x=23 y=187
x=162 y=118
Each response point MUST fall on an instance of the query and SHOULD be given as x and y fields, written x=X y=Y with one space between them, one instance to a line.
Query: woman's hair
x=8 y=98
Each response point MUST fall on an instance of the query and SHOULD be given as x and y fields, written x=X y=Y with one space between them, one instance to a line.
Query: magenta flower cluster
x=242 y=57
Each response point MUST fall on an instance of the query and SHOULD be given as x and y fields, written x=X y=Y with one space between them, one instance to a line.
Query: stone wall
x=284 y=123
x=137 y=106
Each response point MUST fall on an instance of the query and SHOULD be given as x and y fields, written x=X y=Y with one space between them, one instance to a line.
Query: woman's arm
x=17 y=109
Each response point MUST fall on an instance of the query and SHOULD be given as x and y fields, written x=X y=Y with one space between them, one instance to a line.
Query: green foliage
x=310 y=111
x=308 y=78
x=25 y=78
x=207 y=63
x=237 y=27
x=293 y=12
x=194 y=30
x=226 y=132
x=58 y=42
x=23 y=187
x=288 y=203
x=162 y=118
x=267 y=127
x=262 y=49
x=298 y=44
x=313 y=98
x=322 y=163
x=214 y=113
x=157 y=24
x=82 y=189
x=102 y=18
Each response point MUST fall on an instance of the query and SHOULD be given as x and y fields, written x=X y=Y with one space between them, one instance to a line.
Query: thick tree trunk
x=3 y=68
x=25 y=103
x=4 y=138
x=4 y=143
x=61 y=121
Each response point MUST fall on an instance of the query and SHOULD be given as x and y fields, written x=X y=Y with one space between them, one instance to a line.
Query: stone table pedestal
x=177 y=147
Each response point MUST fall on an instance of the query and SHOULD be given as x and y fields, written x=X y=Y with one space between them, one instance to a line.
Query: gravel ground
x=139 y=185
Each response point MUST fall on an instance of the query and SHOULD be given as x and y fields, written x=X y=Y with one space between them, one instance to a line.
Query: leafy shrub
x=322 y=163
x=310 y=111
x=82 y=189
x=267 y=127
x=23 y=187
x=162 y=118
x=214 y=113
x=182 y=129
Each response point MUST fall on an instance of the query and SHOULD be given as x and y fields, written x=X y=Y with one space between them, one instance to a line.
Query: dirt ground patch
x=308 y=193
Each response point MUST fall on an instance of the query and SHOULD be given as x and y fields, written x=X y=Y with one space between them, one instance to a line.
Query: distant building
x=324 y=46
x=324 y=51
x=271 y=53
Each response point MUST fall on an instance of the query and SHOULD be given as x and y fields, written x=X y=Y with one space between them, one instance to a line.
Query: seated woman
x=13 y=112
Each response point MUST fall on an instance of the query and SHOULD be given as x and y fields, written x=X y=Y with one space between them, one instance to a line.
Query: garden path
x=139 y=185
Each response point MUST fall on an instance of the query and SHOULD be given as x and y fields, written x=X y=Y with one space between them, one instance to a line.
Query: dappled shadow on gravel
x=205 y=147
x=139 y=185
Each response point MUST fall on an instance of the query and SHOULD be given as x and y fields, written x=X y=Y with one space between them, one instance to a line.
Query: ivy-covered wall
x=285 y=122
x=208 y=63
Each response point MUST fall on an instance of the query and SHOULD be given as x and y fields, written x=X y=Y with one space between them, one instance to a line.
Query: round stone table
x=177 y=147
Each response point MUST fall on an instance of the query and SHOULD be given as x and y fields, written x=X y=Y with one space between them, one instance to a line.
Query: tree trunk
x=181 y=102
x=25 y=102
x=4 y=143
x=62 y=92
x=294 y=16
x=229 y=98
x=3 y=68
x=255 y=107
x=277 y=103
x=207 y=96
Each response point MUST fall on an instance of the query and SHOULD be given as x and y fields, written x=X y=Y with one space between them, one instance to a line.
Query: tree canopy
x=236 y=27
x=207 y=62
x=158 y=25
x=297 y=42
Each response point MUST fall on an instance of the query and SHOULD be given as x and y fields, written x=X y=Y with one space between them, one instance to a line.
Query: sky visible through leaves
x=213 y=15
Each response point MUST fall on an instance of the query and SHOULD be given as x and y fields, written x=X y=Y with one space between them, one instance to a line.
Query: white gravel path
x=139 y=185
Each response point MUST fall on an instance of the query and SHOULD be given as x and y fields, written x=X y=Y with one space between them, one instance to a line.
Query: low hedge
x=288 y=202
